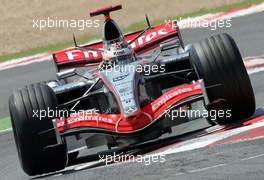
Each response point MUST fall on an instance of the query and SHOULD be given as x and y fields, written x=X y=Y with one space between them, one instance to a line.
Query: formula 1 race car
x=120 y=91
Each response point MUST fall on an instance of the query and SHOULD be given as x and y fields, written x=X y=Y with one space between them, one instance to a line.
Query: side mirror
x=66 y=73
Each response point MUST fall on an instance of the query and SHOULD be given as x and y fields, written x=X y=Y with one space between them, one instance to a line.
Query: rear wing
x=72 y=57
x=105 y=11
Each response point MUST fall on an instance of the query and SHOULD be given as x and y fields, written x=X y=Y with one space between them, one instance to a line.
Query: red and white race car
x=125 y=90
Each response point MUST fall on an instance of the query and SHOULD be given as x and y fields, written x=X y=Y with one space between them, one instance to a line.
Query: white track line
x=206 y=168
x=200 y=169
x=254 y=64
x=5 y=130
x=215 y=166
x=188 y=23
x=204 y=141
x=254 y=71
x=252 y=157
x=24 y=61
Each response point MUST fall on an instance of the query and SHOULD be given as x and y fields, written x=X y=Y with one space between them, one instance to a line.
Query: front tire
x=36 y=140
x=218 y=62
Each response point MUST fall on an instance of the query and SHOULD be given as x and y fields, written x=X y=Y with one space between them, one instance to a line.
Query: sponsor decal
x=83 y=118
x=79 y=54
x=119 y=78
x=148 y=37
x=173 y=94
x=131 y=109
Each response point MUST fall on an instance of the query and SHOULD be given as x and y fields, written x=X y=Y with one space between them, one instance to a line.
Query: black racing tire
x=38 y=152
x=72 y=157
x=218 y=62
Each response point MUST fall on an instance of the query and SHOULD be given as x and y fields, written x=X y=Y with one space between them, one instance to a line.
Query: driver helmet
x=118 y=51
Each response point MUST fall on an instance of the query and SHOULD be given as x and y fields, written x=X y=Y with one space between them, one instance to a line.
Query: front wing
x=117 y=123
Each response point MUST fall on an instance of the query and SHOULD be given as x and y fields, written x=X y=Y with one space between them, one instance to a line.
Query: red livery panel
x=154 y=36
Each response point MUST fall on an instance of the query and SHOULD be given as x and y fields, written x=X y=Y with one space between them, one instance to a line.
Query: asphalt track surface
x=241 y=160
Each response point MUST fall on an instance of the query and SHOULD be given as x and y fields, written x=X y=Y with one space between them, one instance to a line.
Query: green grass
x=5 y=123
x=133 y=27
x=48 y=48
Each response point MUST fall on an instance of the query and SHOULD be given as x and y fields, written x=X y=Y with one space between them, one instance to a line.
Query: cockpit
x=116 y=48
x=111 y=31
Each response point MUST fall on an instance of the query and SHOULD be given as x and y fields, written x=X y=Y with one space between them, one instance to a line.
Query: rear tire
x=35 y=158
x=217 y=61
